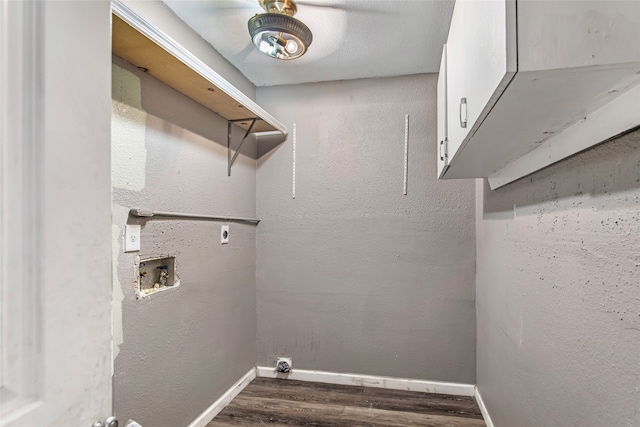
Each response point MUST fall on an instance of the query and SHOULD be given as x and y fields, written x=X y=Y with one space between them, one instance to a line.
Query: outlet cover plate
x=224 y=234
x=131 y=238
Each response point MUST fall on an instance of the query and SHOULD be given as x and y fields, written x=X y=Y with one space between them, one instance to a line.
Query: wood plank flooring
x=297 y=403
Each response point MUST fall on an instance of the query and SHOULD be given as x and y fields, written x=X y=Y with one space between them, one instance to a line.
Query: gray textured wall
x=179 y=350
x=353 y=276
x=558 y=299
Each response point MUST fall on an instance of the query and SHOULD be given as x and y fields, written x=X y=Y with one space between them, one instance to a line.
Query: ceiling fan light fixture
x=277 y=33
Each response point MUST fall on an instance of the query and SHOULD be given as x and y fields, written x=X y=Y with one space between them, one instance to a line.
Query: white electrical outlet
x=224 y=234
x=280 y=361
x=131 y=238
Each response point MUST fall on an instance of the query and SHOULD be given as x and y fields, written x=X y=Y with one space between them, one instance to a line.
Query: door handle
x=109 y=422
x=441 y=155
x=463 y=112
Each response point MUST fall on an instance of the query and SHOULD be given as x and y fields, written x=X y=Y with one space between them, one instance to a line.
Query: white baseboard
x=438 y=387
x=456 y=389
x=483 y=409
x=217 y=406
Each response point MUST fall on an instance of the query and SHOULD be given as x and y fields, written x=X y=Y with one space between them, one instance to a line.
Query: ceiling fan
x=276 y=33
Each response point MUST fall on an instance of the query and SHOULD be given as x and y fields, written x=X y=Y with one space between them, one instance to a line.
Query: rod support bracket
x=231 y=159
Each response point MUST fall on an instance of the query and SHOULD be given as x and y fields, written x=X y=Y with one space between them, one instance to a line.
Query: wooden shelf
x=139 y=43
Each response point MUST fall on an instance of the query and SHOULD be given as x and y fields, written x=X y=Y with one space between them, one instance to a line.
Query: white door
x=55 y=240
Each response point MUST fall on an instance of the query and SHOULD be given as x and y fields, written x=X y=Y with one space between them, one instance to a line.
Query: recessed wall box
x=154 y=275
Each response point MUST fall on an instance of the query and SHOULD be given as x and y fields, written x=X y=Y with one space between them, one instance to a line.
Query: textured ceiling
x=351 y=38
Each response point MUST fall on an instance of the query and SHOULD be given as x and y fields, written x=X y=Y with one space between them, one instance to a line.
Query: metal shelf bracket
x=231 y=159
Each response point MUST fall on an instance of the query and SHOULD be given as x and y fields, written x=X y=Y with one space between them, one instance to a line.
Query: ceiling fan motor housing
x=279 y=35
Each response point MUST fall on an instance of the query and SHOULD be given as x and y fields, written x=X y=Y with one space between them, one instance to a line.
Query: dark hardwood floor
x=296 y=403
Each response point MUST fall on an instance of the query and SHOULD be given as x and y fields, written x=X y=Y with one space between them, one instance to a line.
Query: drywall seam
x=217 y=406
x=483 y=409
x=117 y=334
x=392 y=383
x=128 y=131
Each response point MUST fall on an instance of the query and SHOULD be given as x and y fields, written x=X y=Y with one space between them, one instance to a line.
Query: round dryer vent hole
x=284 y=365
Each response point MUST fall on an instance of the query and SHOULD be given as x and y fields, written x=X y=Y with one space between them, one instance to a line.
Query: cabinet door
x=477 y=58
x=443 y=159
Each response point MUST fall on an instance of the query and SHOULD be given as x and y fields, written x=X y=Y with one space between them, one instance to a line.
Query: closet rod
x=145 y=213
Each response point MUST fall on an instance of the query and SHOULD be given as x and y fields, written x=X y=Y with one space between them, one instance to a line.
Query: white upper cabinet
x=524 y=78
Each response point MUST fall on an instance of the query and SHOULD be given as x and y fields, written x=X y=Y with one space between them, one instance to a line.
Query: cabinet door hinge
x=444 y=149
